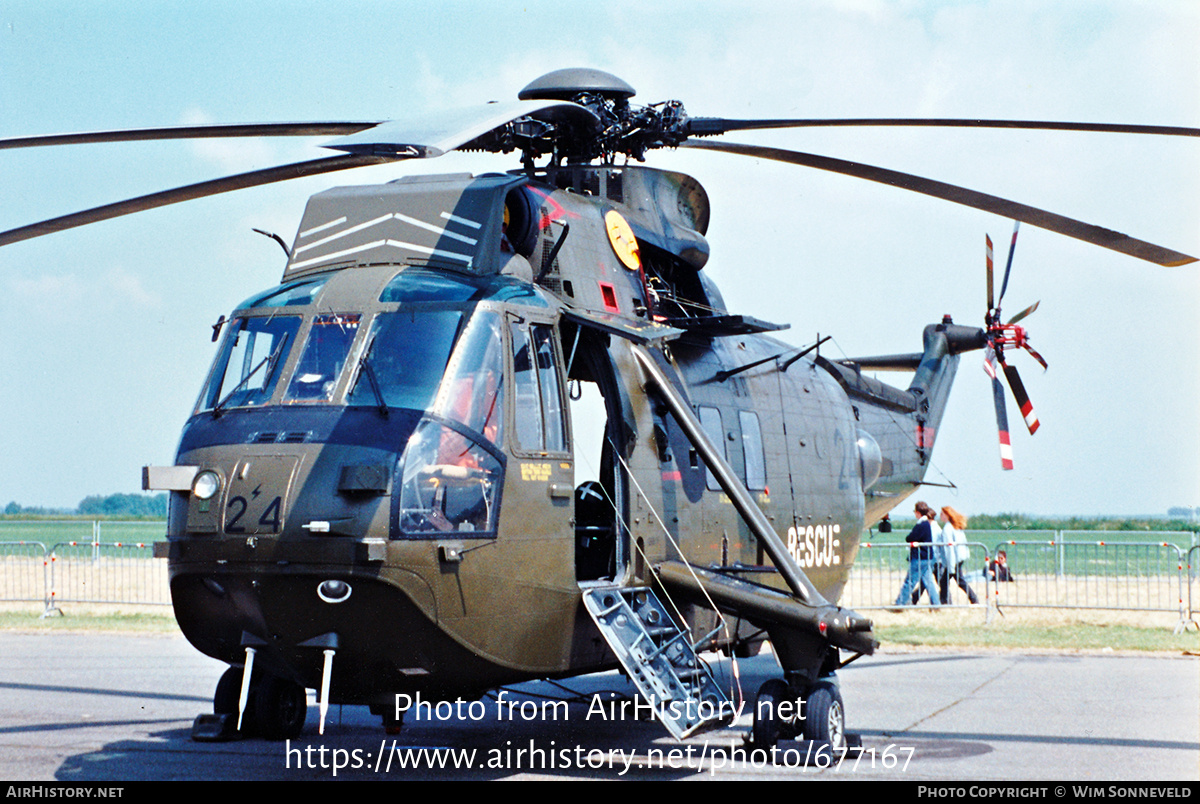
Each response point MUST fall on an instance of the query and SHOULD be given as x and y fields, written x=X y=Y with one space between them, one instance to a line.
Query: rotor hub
x=569 y=83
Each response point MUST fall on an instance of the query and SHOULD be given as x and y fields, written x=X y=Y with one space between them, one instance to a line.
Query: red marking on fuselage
x=556 y=209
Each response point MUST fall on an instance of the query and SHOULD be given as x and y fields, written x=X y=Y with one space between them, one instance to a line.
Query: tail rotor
x=1007 y=336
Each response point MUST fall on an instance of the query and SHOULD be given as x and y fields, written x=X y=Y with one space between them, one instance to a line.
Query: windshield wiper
x=364 y=365
x=269 y=359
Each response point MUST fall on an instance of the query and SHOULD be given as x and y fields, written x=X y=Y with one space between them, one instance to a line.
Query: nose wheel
x=276 y=708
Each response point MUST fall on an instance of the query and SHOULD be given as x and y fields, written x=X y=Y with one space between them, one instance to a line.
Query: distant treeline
x=116 y=506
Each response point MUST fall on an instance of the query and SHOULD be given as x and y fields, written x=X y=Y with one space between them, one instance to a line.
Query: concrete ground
x=96 y=707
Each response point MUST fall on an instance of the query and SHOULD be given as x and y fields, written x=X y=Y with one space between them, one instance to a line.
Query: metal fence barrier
x=81 y=568
x=1064 y=572
x=24 y=572
x=1095 y=575
x=1068 y=571
x=95 y=572
x=1193 y=596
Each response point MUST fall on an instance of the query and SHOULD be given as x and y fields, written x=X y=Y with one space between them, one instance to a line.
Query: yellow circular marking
x=624 y=244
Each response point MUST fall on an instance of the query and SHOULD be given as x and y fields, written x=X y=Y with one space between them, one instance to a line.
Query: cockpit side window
x=472 y=392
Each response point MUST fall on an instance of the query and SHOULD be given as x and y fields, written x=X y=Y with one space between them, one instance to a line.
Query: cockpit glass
x=406 y=355
x=472 y=392
x=291 y=294
x=249 y=362
x=320 y=365
x=414 y=285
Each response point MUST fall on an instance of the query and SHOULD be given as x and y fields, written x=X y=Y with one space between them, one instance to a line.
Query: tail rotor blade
x=1006 y=456
x=991 y=294
x=1034 y=354
x=1019 y=394
x=1008 y=266
x=1027 y=311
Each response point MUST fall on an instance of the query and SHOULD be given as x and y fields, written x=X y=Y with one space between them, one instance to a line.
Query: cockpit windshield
x=429 y=342
x=329 y=341
x=249 y=363
x=406 y=355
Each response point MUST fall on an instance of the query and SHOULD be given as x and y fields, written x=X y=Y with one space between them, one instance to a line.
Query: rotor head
x=569 y=83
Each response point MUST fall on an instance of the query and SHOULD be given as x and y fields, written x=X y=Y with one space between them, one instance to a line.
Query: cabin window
x=248 y=364
x=752 y=446
x=710 y=419
x=538 y=409
x=329 y=340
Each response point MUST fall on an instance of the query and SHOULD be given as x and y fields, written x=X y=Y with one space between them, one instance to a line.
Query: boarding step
x=659 y=659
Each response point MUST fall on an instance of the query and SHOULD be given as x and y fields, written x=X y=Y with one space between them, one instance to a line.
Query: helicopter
x=380 y=492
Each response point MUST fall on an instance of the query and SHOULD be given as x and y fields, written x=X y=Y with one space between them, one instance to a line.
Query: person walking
x=954 y=526
x=939 y=555
x=920 y=560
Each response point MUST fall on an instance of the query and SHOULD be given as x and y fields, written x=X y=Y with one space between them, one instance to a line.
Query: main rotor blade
x=191 y=133
x=1079 y=230
x=437 y=133
x=186 y=193
x=707 y=126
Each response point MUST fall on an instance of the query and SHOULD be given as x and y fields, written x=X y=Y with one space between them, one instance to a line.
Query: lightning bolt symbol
x=257 y=490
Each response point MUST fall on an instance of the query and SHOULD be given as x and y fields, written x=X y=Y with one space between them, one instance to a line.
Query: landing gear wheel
x=229 y=688
x=229 y=692
x=769 y=728
x=825 y=716
x=280 y=707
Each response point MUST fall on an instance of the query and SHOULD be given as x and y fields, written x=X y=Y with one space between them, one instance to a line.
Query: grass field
x=1014 y=630
x=1130 y=570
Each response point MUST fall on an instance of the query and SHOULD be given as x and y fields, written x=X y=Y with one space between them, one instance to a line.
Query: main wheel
x=280 y=707
x=769 y=725
x=825 y=716
x=229 y=692
x=229 y=689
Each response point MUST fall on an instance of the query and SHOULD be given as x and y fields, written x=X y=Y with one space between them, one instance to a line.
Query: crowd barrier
x=1071 y=570
x=78 y=567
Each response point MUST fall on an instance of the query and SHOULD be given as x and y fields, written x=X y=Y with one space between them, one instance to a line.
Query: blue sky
x=104 y=341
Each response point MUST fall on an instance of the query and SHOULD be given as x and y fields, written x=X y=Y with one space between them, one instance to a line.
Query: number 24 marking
x=269 y=518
